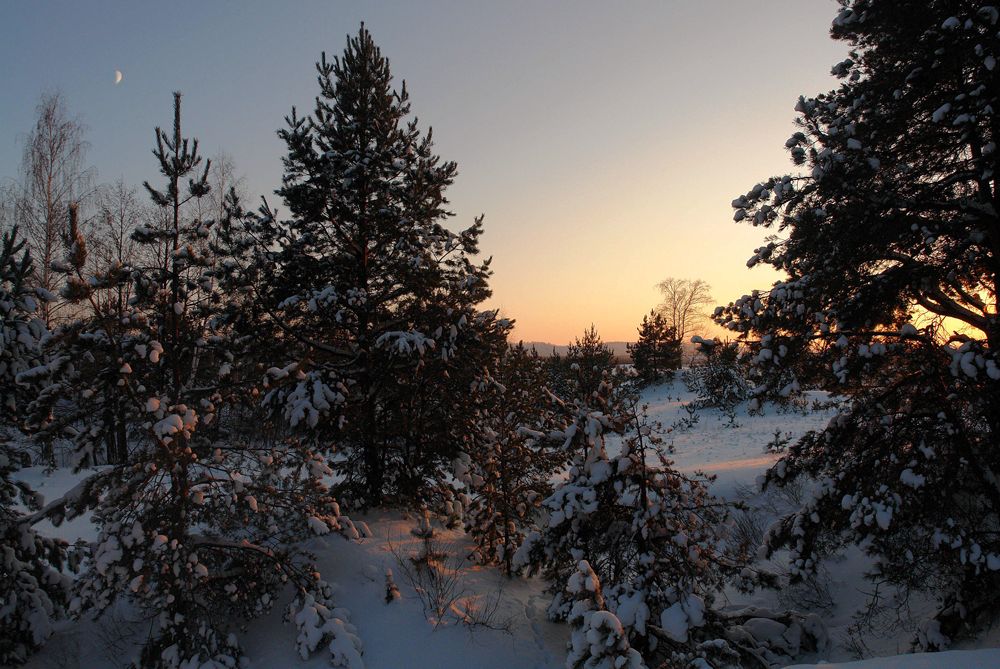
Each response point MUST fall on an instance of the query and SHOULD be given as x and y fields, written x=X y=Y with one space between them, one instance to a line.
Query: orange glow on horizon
x=596 y=249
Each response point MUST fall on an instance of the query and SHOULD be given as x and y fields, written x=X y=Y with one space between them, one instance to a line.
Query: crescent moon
x=118 y=77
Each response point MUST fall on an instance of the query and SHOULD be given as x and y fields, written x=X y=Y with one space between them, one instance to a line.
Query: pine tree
x=507 y=464
x=598 y=641
x=23 y=329
x=370 y=299
x=33 y=589
x=583 y=369
x=658 y=349
x=721 y=378
x=889 y=239
x=653 y=536
x=197 y=522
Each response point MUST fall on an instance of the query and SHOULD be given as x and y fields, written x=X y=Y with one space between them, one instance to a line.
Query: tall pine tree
x=890 y=242
x=370 y=299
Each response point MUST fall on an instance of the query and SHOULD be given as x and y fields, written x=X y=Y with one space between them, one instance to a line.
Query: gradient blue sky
x=603 y=140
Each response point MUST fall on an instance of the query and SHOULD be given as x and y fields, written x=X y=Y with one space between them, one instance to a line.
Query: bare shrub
x=435 y=574
x=811 y=593
x=117 y=632
x=748 y=529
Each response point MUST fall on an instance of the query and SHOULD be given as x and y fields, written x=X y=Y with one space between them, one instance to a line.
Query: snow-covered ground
x=492 y=621
x=987 y=658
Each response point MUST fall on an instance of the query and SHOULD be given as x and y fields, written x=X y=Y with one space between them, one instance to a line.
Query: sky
x=603 y=141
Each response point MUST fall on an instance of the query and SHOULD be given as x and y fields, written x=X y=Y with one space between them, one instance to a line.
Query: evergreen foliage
x=33 y=588
x=889 y=239
x=658 y=349
x=582 y=370
x=369 y=298
x=223 y=373
x=196 y=525
x=507 y=464
x=721 y=378
x=653 y=536
x=22 y=330
x=598 y=641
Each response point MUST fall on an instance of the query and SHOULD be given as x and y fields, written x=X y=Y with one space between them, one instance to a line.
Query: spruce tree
x=658 y=349
x=889 y=241
x=33 y=587
x=197 y=523
x=370 y=299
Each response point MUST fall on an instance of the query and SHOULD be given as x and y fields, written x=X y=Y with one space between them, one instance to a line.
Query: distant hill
x=545 y=349
x=619 y=348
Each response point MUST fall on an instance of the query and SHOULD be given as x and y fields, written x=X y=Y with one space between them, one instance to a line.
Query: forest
x=244 y=400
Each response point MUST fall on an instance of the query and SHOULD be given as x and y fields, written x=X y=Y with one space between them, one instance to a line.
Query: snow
x=765 y=629
x=910 y=478
x=940 y=112
x=363 y=629
x=733 y=452
x=987 y=658
x=51 y=486
x=674 y=622
x=398 y=633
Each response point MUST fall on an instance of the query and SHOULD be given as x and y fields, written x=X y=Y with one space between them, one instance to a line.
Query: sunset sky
x=603 y=141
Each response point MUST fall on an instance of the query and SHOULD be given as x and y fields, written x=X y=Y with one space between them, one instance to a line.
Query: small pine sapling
x=654 y=537
x=391 y=589
x=721 y=378
x=507 y=463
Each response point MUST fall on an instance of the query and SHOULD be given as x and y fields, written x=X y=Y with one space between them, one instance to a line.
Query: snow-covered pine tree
x=33 y=589
x=658 y=349
x=598 y=640
x=23 y=329
x=653 y=536
x=83 y=354
x=890 y=240
x=507 y=464
x=721 y=378
x=109 y=250
x=371 y=299
x=196 y=525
